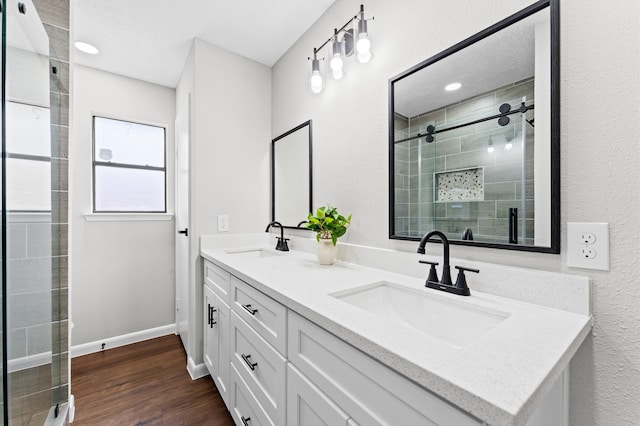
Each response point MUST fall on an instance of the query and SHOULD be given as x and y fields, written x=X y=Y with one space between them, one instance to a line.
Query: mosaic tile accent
x=460 y=185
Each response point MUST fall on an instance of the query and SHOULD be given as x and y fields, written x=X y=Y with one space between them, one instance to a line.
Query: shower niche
x=474 y=138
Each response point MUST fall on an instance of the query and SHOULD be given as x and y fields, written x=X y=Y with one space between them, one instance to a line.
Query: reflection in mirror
x=475 y=140
x=291 y=176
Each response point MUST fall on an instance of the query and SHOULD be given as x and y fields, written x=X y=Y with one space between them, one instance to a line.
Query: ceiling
x=150 y=39
x=495 y=61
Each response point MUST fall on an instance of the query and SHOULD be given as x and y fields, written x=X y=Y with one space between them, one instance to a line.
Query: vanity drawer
x=245 y=409
x=309 y=406
x=370 y=392
x=217 y=279
x=267 y=317
x=261 y=367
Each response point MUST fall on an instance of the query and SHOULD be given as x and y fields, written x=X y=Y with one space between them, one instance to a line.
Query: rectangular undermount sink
x=254 y=253
x=456 y=323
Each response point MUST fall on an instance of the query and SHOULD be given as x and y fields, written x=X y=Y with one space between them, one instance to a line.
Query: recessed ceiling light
x=453 y=86
x=86 y=47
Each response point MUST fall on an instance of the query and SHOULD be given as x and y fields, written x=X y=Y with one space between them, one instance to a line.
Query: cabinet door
x=222 y=330
x=309 y=406
x=216 y=341
x=210 y=341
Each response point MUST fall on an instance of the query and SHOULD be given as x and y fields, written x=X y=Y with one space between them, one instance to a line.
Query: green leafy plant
x=328 y=223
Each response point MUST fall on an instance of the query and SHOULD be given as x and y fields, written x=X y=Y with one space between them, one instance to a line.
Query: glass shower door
x=28 y=296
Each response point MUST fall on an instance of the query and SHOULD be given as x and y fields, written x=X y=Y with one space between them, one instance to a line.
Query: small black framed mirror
x=292 y=176
x=474 y=138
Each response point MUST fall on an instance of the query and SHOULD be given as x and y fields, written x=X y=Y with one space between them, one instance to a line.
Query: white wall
x=122 y=273
x=600 y=98
x=229 y=153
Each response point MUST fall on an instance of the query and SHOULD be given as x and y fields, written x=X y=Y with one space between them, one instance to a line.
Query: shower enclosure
x=467 y=169
x=34 y=330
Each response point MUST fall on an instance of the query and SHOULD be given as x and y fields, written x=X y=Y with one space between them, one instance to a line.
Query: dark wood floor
x=145 y=383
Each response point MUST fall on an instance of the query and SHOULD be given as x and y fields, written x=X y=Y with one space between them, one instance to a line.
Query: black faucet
x=445 y=284
x=282 y=241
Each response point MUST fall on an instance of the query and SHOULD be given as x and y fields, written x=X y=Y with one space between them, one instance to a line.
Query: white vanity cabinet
x=275 y=367
x=217 y=326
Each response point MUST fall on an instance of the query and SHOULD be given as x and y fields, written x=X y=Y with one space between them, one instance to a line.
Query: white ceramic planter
x=326 y=251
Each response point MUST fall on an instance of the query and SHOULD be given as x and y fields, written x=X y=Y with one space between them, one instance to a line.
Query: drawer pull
x=246 y=420
x=252 y=365
x=248 y=309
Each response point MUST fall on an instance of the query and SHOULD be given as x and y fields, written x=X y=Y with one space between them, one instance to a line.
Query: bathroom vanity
x=290 y=342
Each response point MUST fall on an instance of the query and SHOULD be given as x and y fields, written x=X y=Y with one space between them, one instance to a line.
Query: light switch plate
x=223 y=223
x=588 y=245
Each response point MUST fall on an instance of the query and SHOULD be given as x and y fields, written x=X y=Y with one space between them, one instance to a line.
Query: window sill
x=127 y=217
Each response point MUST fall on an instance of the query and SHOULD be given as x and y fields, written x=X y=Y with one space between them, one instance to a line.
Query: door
x=183 y=238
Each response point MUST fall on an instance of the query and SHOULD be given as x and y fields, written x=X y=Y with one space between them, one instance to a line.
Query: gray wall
x=599 y=140
x=123 y=268
x=227 y=156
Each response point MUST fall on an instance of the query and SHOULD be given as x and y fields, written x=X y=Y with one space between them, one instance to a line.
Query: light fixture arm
x=341 y=29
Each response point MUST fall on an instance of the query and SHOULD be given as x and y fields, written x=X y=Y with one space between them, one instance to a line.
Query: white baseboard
x=125 y=339
x=196 y=371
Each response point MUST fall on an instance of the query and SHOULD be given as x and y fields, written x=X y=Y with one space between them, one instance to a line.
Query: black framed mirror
x=474 y=138
x=292 y=176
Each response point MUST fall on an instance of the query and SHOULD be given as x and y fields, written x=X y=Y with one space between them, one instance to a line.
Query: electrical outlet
x=587 y=253
x=223 y=223
x=588 y=245
x=587 y=237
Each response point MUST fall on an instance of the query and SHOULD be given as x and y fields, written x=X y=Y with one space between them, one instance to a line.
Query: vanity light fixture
x=508 y=145
x=337 y=54
x=343 y=43
x=363 y=42
x=453 y=86
x=315 y=81
x=86 y=47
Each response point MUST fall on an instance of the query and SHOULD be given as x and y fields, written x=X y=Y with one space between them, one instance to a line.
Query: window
x=28 y=145
x=129 y=170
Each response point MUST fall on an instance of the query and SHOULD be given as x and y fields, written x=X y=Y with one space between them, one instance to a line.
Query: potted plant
x=329 y=225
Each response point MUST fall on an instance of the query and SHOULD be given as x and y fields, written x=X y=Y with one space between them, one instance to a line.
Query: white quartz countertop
x=498 y=377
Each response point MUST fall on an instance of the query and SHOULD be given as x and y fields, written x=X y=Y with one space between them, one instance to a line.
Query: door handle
x=185 y=231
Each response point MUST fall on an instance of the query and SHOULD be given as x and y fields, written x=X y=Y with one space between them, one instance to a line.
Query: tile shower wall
x=416 y=161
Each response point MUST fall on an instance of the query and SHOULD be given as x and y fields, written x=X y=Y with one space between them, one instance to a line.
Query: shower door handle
x=513 y=225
